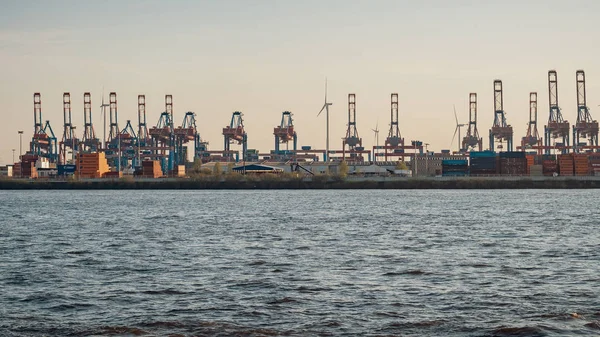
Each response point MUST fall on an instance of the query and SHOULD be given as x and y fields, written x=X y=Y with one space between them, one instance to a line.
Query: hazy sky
x=265 y=57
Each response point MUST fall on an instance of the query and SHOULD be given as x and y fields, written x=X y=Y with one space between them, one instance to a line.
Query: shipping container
x=484 y=154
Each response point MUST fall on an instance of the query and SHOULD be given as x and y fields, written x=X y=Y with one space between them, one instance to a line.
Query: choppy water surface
x=299 y=263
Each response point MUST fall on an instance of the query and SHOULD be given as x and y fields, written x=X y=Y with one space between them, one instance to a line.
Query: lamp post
x=13 y=150
x=20 y=143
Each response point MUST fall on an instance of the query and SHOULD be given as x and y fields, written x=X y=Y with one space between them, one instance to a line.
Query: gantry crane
x=532 y=140
x=500 y=131
x=586 y=128
x=352 y=141
x=143 y=136
x=89 y=143
x=43 y=143
x=557 y=127
x=69 y=140
x=235 y=132
x=186 y=133
x=394 y=139
x=472 y=140
x=284 y=133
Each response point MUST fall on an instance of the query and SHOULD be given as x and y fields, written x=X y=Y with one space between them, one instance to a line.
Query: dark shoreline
x=351 y=183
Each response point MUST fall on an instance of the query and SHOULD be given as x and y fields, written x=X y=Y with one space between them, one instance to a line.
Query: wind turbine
x=458 y=126
x=103 y=110
x=326 y=108
x=376 y=131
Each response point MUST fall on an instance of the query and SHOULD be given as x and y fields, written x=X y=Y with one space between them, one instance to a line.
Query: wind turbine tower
x=326 y=108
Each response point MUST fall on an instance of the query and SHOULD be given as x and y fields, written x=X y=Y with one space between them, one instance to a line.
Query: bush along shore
x=289 y=181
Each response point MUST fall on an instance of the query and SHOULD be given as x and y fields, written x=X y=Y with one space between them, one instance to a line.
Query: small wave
x=164 y=292
x=406 y=272
x=526 y=331
x=119 y=330
x=257 y=263
x=593 y=325
x=283 y=300
x=419 y=324
x=304 y=289
x=78 y=252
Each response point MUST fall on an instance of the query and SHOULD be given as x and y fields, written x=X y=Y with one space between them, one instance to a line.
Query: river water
x=300 y=263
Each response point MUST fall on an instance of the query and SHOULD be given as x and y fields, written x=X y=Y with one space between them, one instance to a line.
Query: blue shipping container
x=450 y=162
x=482 y=154
x=517 y=154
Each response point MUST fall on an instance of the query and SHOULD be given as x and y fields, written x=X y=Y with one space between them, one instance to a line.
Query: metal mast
x=557 y=127
x=500 y=131
x=472 y=139
x=585 y=127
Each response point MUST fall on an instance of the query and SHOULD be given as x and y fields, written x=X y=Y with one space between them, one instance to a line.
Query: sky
x=263 y=57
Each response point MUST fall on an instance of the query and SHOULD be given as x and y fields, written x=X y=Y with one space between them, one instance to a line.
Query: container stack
x=151 y=169
x=581 y=164
x=565 y=165
x=595 y=164
x=66 y=170
x=549 y=165
x=28 y=169
x=483 y=163
x=513 y=163
x=530 y=161
x=455 y=167
x=178 y=171
x=91 y=165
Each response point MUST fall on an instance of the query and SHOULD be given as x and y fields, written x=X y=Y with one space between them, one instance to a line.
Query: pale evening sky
x=265 y=57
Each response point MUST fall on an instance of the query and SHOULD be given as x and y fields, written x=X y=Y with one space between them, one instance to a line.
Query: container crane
x=89 y=143
x=557 y=127
x=532 y=140
x=352 y=140
x=235 y=132
x=500 y=131
x=69 y=140
x=43 y=143
x=284 y=133
x=472 y=141
x=586 y=128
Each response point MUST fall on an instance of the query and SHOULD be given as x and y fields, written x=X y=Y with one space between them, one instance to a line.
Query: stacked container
x=455 y=167
x=28 y=169
x=549 y=165
x=513 y=163
x=595 y=164
x=483 y=163
x=565 y=165
x=530 y=162
x=581 y=164
x=91 y=165
x=151 y=169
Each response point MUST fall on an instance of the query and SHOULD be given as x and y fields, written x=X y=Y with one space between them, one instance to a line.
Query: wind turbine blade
x=454 y=136
x=323 y=108
x=455 y=117
x=325 y=90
